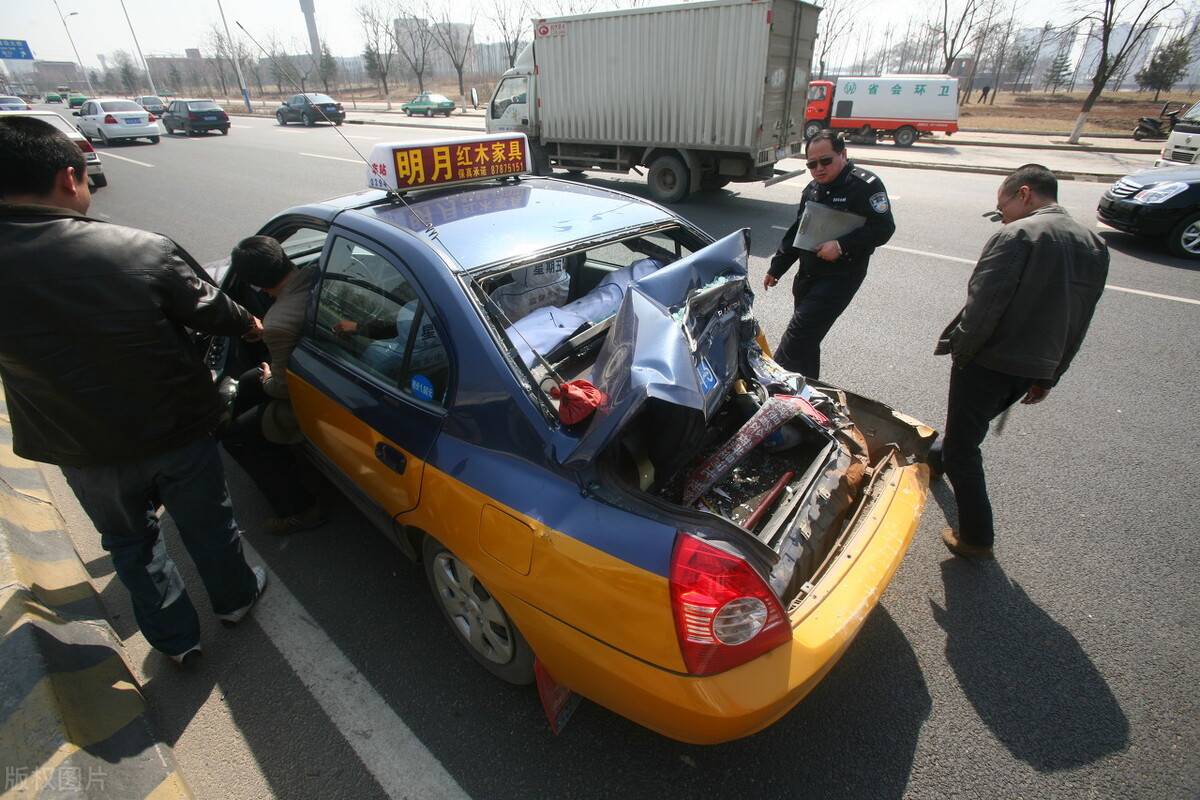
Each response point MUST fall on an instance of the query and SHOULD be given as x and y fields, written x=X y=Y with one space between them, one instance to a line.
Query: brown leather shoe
x=960 y=548
x=313 y=517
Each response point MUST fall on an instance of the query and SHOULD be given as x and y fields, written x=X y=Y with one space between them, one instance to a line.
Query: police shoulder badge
x=879 y=202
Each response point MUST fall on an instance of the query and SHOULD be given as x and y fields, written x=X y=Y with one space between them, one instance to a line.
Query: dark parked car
x=195 y=116
x=310 y=109
x=1158 y=203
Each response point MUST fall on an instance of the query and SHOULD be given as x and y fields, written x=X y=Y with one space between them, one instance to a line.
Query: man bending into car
x=264 y=426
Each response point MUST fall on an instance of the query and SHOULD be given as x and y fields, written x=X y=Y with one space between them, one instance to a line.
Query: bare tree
x=511 y=18
x=835 y=25
x=413 y=38
x=956 y=34
x=983 y=35
x=1113 y=51
x=1003 y=48
x=456 y=40
x=375 y=18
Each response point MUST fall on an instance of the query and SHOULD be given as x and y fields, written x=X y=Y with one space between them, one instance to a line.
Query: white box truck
x=701 y=94
x=900 y=106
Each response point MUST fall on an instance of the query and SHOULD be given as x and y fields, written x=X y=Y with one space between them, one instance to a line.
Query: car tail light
x=224 y=116
x=109 y=119
x=86 y=146
x=152 y=118
x=725 y=614
x=193 y=116
x=339 y=106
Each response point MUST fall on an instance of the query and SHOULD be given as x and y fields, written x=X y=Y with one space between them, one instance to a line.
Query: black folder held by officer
x=830 y=273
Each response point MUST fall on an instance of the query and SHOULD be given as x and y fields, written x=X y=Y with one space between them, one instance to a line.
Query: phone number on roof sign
x=436 y=165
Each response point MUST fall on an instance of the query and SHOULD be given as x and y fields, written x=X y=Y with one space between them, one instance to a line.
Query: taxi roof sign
x=401 y=166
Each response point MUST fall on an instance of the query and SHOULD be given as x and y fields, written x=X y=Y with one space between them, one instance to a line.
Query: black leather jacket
x=858 y=191
x=96 y=362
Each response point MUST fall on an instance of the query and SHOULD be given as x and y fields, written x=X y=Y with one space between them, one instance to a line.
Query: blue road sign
x=15 y=49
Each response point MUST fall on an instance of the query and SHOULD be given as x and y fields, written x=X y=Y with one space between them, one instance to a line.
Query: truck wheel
x=1185 y=238
x=541 y=161
x=905 y=136
x=668 y=179
x=811 y=129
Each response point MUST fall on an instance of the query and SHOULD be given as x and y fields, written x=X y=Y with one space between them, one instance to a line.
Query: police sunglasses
x=824 y=161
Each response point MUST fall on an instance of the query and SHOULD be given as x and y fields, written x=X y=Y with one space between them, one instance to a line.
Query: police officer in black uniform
x=827 y=279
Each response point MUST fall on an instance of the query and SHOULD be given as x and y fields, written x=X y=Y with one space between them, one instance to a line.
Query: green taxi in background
x=53 y=97
x=428 y=104
x=76 y=101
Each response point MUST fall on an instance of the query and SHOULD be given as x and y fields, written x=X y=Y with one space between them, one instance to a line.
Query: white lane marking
x=779 y=227
x=1112 y=286
x=388 y=748
x=926 y=253
x=332 y=158
x=105 y=154
x=1153 y=294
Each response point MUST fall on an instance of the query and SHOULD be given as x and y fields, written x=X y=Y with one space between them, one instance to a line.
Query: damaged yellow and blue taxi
x=556 y=397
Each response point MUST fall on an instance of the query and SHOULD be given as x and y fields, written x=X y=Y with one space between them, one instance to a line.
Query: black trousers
x=977 y=396
x=820 y=297
x=273 y=467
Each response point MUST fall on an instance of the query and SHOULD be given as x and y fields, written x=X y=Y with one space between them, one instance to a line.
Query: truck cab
x=816 y=113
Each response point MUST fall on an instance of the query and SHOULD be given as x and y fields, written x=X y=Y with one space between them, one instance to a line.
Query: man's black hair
x=32 y=153
x=835 y=141
x=1039 y=179
x=260 y=261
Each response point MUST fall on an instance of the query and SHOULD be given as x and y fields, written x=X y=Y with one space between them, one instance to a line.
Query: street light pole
x=78 y=60
x=146 y=66
x=237 y=67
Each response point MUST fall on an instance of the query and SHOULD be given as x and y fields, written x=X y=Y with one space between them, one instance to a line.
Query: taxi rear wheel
x=476 y=616
x=281 y=119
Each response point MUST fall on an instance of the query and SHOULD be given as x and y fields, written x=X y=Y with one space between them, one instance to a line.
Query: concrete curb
x=376 y=122
x=1094 y=177
x=1077 y=148
x=1045 y=133
x=72 y=717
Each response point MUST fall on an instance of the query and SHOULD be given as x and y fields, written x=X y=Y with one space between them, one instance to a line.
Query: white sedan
x=111 y=120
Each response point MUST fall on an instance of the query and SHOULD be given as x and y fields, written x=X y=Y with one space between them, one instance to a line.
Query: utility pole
x=237 y=65
x=86 y=77
x=145 y=66
x=310 y=19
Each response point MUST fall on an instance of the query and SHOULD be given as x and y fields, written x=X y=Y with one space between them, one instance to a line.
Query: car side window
x=511 y=91
x=371 y=317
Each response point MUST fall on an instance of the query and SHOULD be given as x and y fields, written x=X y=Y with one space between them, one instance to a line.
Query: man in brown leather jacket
x=102 y=378
x=1029 y=303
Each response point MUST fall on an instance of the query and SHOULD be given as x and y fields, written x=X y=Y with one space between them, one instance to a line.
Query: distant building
x=51 y=74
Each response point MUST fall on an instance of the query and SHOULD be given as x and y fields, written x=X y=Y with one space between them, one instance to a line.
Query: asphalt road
x=1066 y=669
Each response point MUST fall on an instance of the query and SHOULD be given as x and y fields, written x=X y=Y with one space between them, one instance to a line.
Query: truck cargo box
x=726 y=75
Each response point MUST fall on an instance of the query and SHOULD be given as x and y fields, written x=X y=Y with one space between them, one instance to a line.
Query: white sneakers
x=234 y=617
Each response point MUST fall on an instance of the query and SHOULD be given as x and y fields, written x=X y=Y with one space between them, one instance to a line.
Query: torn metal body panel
x=676 y=338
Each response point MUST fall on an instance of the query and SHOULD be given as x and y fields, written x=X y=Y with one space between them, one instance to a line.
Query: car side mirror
x=75 y=113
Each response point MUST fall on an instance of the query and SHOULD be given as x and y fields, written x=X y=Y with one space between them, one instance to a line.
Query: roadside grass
x=1114 y=112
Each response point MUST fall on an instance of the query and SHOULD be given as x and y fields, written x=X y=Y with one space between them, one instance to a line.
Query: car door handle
x=391 y=458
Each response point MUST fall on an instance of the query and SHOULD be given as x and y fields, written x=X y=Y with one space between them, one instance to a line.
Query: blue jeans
x=122 y=500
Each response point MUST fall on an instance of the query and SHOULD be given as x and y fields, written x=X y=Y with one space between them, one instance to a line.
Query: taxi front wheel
x=476 y=617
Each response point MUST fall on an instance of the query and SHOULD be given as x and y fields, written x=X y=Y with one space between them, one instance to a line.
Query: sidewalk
x=1046 y=141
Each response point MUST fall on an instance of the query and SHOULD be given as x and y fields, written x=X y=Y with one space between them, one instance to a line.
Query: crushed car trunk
x=699 y=424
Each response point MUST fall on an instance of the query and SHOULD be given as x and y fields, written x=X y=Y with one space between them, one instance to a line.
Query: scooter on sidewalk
x=1159 y=127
